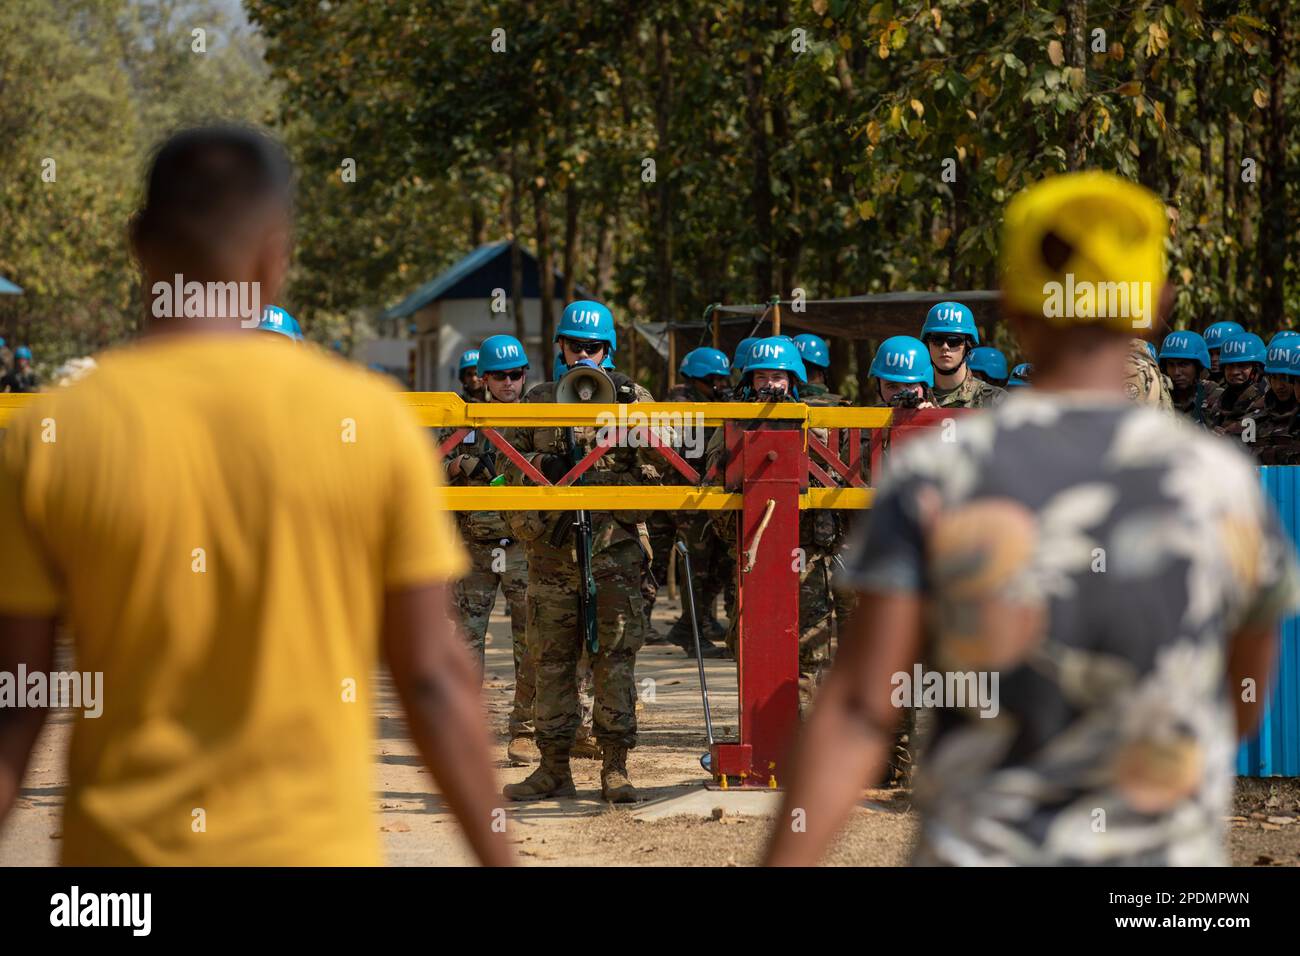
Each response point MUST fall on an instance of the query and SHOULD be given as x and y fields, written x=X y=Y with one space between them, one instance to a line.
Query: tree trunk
x=572 y=203
x=665 y=298
x=761 y=191
x=1225 y=226
x=545 y=271
x=1272 y=186
x=604 y=254
x=956 y=270
x=1076 y=56
x=1205 y=202
x=477 y=226
x=516 y=251
x=1247 y=214
x=790 y=244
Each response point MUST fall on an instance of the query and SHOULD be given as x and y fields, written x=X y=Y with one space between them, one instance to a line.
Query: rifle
x=586 y=580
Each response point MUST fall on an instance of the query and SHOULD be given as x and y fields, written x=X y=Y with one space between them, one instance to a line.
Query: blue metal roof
x=8 y=288
x=473 y=277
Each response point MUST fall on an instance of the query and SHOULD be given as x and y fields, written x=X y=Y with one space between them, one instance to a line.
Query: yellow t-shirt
x=218 y=517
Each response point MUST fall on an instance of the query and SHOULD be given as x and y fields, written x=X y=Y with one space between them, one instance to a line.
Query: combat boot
x=614 y=783
x=586 y=747
x=681 y=635
x=552 y=779
x=522 y=751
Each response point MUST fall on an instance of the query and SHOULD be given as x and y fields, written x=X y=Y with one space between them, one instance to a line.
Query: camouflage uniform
x=1191 y=402
x=712 y=559
x=661 y=527
x=1144 y=382
x=1273 y=429
x=497 y=561
x=974 y=392
x=617 y=559
x=1229 y=406
x=821 y=531
x=1285 y=449
x=843 y=599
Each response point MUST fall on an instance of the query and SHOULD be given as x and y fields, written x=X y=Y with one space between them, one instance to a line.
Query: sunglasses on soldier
x=582 y=346
x=952 y=341
x=514 y=375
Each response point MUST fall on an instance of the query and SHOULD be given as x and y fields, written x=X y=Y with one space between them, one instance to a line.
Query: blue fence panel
x=1275 y=750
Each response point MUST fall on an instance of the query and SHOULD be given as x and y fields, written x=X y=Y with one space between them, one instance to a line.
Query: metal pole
x=695 y=633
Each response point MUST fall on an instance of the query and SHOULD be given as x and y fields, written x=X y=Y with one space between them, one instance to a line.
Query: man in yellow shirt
x=232 y=525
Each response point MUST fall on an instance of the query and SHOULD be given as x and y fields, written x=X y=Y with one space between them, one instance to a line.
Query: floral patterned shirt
x=1095 y=556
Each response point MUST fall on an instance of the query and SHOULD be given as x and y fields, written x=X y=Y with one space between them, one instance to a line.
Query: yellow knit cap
x=1083 y=248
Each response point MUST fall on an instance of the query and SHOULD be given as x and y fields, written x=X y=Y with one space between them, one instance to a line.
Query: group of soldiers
x=570 y=701
x=1231 y=383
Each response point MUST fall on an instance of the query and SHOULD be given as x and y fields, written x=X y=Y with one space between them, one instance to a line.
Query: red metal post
x=771 y=468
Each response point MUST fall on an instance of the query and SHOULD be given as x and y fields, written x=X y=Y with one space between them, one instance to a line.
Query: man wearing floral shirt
x=1085 y=607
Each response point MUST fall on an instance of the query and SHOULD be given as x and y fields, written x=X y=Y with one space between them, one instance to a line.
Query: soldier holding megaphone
x=586 y=338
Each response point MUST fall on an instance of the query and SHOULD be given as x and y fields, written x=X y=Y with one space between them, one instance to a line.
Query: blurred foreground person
x=1084 y=604
x=232 y=526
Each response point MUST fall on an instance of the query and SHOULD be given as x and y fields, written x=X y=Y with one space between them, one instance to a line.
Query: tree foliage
x=674 y=154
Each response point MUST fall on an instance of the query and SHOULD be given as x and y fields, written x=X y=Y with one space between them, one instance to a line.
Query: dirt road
x=417 y=830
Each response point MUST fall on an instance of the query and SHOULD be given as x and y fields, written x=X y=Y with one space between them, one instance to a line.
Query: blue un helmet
x=1280 y=338
x=585 y=319
x=468 y=359
x=1151 y=349
x=742 y=354
x=1294 y=369
x=276 y=319
x=23 y=352
x=950 y=318
x=777 y=354
x=500 y=353
x=1021 y=376
x=813 y=350
x=988 y=361
x=1185 y=345
x=902 y=358
x=1280 y=355
x=1238 y=349
x=703 y=362
x=1216 y=332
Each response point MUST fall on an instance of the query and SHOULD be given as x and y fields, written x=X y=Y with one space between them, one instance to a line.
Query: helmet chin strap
x=965 y=357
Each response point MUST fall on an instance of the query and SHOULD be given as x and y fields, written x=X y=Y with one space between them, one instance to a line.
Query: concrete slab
x=707 y=803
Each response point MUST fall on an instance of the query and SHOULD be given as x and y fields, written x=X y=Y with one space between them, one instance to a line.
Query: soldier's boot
x=711 y=629
x=681 y=635
x=551 y=779
x=614 y=783
x=522 y=751
x=586 y=747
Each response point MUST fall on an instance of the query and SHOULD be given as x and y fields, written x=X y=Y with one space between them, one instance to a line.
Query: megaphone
x=585 y=383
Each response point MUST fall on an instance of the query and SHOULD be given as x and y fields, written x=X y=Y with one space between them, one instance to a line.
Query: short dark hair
x=205 y=185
